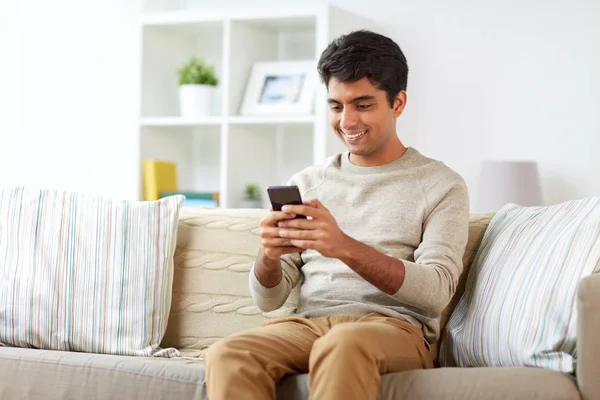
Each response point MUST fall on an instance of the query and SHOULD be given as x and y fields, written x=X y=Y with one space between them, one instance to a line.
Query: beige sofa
x=210 y=300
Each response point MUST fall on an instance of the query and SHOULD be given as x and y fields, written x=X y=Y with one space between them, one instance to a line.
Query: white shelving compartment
x=266 y=150
x=168 y=40
x=226 y=151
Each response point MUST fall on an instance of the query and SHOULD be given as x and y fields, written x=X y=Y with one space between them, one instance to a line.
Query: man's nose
x=349 y=119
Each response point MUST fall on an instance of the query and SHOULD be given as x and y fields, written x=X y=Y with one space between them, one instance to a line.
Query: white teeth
x=354 y=136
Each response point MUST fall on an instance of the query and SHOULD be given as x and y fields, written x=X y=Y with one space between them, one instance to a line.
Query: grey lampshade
x=504 y=182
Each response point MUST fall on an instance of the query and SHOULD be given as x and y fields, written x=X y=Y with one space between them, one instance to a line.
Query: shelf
x=233 y=120
x=269 y=120
x=280 y=23
x=179 y=17
x=226 y=150
x=178 y=121
x=295 y=16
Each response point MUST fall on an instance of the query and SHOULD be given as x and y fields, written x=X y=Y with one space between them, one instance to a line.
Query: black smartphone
x=282 y=195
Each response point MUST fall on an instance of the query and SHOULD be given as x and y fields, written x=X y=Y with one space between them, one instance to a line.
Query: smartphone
x=282 y=195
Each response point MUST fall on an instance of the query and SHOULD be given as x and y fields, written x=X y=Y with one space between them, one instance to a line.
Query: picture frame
x=281 y=88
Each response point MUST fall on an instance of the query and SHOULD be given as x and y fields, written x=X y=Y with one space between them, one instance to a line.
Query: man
x=380 y=253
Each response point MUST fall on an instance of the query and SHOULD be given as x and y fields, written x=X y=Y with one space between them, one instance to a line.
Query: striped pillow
x=85 y=273
x=519 y=307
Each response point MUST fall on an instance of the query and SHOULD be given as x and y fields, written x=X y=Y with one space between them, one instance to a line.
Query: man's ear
x=399 y=103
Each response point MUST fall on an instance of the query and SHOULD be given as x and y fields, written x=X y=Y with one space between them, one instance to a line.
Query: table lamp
x=504 y=182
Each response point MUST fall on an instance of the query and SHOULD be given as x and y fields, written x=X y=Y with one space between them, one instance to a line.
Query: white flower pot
x=195 y=100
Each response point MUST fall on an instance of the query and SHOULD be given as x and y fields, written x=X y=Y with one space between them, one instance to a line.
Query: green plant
x=197 y=72
x=252 y=192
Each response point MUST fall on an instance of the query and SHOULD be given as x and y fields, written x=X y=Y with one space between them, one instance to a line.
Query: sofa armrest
x=588 y=337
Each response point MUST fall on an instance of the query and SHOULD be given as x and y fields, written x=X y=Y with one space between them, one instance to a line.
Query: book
x=193 y=199
x=160 y=180
x=159 y=177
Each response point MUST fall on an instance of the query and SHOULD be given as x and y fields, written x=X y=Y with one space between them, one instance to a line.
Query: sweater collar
x=404 y=161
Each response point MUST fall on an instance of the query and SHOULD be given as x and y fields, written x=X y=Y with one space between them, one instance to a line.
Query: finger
x=317 y=204
x=275 y=216
x=301 y=210
x=294 y=234
x=304 y=244
x=298 y=223
x=311 y=203
x=275 y=242
x=267 y=232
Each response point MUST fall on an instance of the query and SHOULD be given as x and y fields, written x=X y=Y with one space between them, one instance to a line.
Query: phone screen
x=282 y=195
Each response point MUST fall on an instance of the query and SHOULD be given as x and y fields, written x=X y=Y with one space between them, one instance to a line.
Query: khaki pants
x=345 y=357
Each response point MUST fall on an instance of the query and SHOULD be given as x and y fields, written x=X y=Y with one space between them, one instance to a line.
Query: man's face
x=361 y=116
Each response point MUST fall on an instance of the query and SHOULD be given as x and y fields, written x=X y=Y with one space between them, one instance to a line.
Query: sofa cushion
x=45 y=374
x=458 y=384
x=519 y=307
x=85 y=273
x=211 y=296
x=33 y=374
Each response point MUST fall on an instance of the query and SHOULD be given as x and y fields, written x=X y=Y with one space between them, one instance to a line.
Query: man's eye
x=363 y=106
x=336 y=108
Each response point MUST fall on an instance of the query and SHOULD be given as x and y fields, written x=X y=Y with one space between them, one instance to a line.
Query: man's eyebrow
x=354 y=100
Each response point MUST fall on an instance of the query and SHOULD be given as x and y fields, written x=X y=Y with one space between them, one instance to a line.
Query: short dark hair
x=364 y=53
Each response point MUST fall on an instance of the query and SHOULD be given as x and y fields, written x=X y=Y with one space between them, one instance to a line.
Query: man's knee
x=340 y=339
x=214 y=351
x=221 y=349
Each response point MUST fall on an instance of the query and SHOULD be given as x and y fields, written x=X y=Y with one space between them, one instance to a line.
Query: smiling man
x=378 y=258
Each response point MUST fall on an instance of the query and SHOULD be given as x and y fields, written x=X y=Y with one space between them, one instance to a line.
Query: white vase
x=195 y=100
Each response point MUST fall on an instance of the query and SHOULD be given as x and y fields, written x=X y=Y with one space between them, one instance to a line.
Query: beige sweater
x=414 y=209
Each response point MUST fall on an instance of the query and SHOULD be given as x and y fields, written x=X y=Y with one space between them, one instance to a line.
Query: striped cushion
x=85 y=273
x=519 y=308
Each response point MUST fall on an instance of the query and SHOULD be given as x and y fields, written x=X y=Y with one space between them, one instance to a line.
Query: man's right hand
x=272 y=245
x=267 y=268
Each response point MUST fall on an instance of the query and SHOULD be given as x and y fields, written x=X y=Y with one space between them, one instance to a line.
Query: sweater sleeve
x=430 y=281
x=270 y=299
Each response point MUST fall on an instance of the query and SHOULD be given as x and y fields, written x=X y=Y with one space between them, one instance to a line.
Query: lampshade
x=504 y=182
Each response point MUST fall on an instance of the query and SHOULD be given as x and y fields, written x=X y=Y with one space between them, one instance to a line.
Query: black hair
x=364 y=53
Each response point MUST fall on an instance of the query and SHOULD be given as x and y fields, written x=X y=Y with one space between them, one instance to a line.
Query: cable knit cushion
x=211 y=299
x=214 y=254
x=519 y=308
x=84 y=273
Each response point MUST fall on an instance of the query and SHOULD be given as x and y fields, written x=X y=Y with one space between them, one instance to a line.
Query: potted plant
x=252 y=197
x=197 y=82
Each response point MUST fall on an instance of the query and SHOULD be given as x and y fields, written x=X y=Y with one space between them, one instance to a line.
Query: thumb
x=314 y=203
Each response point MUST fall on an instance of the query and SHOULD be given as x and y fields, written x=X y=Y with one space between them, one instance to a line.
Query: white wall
x=70 y=103
x=489 y=79
x=505 y=79
x=7 y=88
x=514 y=79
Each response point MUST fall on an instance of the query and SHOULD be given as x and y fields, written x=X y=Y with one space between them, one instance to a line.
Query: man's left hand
x=319 y=231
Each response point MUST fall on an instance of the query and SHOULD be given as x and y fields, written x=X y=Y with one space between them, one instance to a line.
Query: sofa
x=210 y=300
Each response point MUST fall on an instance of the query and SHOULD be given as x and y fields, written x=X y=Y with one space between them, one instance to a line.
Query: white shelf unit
x=226 y=151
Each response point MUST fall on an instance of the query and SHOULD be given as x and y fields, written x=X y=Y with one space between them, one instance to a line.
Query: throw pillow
x=519 y=307
x=85 y=273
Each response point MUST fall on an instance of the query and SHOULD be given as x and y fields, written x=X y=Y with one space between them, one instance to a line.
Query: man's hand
x=272 y=245
x=319 y=231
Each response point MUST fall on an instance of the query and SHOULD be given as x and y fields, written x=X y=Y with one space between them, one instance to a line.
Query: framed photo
x=281 y=88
